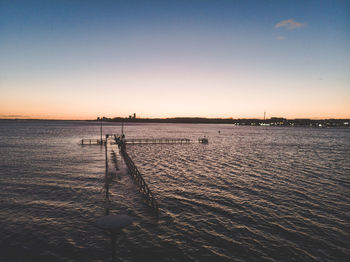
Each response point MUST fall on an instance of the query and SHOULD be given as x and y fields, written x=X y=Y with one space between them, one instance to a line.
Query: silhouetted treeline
x=197 y=120
x=273 y=121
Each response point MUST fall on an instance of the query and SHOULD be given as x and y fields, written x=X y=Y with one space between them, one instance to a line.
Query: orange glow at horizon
x=171 y=94
x=161 y=93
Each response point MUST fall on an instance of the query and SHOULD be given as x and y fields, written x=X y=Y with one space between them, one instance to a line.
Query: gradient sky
x=82 y=59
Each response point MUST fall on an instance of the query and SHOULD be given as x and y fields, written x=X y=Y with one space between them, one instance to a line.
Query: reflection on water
x=251 y=194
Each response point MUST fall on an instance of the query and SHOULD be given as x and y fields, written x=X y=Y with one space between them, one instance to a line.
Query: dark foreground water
x=251 y=194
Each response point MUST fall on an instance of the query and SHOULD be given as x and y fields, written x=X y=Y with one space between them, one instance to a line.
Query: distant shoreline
x=274 y=121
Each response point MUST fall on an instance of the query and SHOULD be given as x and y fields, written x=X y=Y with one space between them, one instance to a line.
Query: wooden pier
x=137 y=177
x=157 y=141
x=133 y=171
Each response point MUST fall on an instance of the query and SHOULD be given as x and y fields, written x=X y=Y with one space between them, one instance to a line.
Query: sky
x=80 y=59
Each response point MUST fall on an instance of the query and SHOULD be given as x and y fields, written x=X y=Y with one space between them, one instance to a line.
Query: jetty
x=121 y=142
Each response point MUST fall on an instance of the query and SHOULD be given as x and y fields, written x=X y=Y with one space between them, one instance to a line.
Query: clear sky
x=79 y=59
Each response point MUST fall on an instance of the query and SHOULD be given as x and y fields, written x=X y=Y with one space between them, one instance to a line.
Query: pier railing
x=90 y=141
x=137 y=177
x=157 y=141
x=138 y=141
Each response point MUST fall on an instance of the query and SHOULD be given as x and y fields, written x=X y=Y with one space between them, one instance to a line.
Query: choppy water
x=251 y=194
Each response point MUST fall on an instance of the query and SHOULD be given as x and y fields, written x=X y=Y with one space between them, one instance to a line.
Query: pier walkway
x=157 y=141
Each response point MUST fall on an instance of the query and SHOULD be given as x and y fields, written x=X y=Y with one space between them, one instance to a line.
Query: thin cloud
x=280 y=38
x=289 y=24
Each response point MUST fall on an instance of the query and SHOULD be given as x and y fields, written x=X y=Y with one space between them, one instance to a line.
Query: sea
x=253 y=193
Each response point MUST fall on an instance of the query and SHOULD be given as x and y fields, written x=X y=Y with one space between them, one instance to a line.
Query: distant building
x=133 y=116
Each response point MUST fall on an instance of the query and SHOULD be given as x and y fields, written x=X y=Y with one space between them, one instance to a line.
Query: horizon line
x=165 y=118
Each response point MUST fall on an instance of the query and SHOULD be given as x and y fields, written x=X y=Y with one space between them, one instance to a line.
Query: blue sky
x=174 y=58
